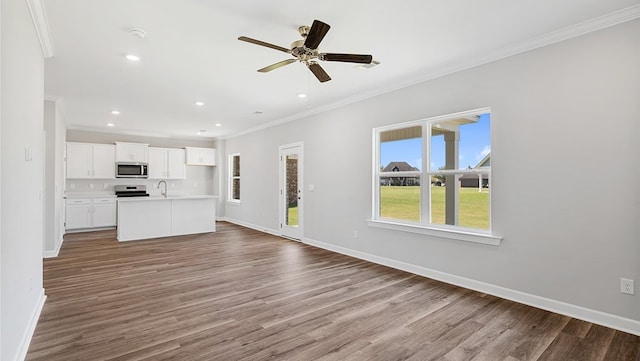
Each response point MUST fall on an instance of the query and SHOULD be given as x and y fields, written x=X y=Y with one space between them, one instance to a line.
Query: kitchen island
x=154 y=217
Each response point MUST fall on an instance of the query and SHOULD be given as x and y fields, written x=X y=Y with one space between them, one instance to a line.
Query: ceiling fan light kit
x=306 y=51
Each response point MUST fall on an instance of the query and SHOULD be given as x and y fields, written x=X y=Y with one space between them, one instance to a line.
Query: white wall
x=21 y=193
x=1 y=178
x=199 y=180
x=565 y=175
x=60 y=139
x=55 y=131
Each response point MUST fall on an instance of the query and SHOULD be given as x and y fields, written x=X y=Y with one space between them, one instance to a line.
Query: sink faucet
x=164 y=193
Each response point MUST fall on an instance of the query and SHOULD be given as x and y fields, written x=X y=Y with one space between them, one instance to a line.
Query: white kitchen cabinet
x=157 y=163
x=132 y=152
x=90 y=161
x=104 y=212
x=167 y=163
x=104 y=165
x=86 y=213
x=78 y=213
x=176 y=168
x=201 y=156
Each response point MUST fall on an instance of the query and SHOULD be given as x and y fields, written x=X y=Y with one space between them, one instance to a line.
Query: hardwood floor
x=239 y=294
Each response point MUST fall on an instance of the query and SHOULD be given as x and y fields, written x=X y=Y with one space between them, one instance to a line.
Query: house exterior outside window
x=435 y=172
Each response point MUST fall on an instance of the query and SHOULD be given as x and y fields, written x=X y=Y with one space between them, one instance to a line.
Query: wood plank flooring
x=239 y=294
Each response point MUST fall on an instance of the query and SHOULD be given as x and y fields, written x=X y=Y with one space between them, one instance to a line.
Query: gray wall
x=22 y=98
x=566 y=113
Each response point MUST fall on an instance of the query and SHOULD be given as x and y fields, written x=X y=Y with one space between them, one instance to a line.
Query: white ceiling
x=191 y=53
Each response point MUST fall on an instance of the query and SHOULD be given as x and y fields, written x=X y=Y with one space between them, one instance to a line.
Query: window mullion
x=376 y=171
x=425 y=181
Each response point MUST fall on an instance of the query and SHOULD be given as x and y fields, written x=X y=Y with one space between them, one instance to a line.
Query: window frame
x=231 y=177
x=424 y=226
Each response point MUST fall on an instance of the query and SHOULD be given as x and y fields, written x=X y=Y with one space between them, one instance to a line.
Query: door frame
x=296 y=233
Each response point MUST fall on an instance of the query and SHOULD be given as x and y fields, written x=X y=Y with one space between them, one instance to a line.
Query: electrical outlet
x=626 y=286
x=90 y=185
x=72 y=186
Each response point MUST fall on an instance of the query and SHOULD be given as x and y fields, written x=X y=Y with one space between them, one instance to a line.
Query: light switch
x=28 y=153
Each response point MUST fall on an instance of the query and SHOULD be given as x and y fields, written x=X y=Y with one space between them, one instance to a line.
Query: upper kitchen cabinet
x=132 y=152
x=166 y=163
x=201 y=156
x=90 y=161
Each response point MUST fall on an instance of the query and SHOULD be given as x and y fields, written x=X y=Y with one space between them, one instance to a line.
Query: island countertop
x=169 y=197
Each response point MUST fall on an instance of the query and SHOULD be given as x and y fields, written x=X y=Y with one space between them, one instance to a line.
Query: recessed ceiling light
x=133 y=57
x=302 y=95
x=218 y=125
x=110 y=124
x=115 y=112
x=199 y=104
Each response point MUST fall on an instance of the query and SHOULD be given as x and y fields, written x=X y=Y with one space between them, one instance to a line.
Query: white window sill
x=457 y=234
x=234 y=202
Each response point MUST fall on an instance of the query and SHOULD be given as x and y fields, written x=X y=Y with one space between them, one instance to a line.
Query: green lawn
x=292 y=219
x=404 y=203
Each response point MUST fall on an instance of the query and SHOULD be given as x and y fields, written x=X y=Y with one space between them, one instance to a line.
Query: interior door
x=291 y=196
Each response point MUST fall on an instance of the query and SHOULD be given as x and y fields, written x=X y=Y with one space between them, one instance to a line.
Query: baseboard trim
x=578 y=312
x=252 y=226
x=33 y=322
x=81 y=230
x=54 y=253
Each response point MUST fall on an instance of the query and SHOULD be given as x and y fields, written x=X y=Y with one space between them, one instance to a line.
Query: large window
x=435 y=172
x=234 y=178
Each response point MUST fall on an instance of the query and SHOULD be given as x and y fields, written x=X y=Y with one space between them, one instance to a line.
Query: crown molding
x=138 y=133
x=582 y=28
x=41 y=24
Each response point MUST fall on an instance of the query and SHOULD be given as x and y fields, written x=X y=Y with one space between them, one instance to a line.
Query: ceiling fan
x=306 y=51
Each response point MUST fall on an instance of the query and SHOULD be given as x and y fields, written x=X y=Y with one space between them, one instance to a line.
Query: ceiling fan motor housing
x=302 y=52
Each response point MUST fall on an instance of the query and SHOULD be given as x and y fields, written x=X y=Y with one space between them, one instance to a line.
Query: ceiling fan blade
x=347 y=58
x=316 y=34
x=262 y=43
x=317 y=70
x=277 y=65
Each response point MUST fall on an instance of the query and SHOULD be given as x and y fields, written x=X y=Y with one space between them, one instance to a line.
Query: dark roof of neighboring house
x=399 y=167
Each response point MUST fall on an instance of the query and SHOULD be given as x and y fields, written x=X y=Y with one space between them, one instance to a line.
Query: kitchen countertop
x=90 y=195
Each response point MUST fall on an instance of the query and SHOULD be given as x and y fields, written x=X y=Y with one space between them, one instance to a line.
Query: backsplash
x=199 y=181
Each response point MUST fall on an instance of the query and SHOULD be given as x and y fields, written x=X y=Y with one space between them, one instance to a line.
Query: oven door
x=131 y=170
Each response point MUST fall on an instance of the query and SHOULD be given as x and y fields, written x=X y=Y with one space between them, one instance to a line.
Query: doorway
x=291 y=197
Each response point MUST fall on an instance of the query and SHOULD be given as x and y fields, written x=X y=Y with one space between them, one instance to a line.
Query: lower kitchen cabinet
x=86 y=213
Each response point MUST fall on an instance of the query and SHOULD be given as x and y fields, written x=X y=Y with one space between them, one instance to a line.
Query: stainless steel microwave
x=132 y=170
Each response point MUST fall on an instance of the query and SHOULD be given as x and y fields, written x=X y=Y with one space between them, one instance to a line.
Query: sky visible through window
x=473 y=146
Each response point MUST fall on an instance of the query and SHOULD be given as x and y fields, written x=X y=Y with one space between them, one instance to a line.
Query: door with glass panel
x=291 y=197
